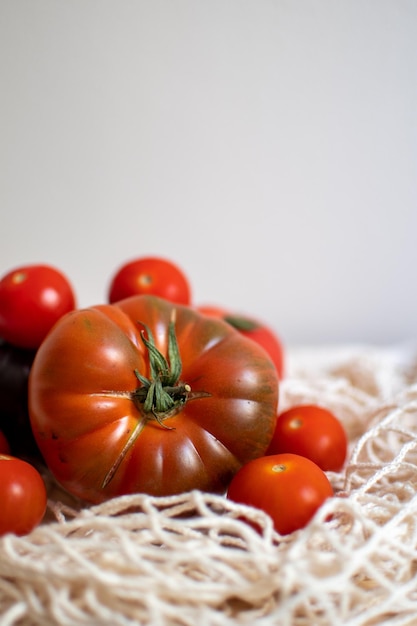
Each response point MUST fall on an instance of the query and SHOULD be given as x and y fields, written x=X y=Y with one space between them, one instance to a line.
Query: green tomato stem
x=162 y=391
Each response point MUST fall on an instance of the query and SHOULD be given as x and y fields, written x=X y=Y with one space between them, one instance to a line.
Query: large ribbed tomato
x=148 y=396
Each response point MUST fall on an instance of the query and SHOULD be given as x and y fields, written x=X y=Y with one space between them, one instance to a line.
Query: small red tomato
x=4 y=444
x=255 y=330
x=288 y=487
x=313 y=432
x=22 y=496
x=150 y=276
x=32 y=299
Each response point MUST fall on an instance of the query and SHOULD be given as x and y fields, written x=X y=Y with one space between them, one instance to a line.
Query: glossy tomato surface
x=87 y=398
x=255 y=330
x=23 y=496
x=289 y=487
x=32 y=299
x=314 y=432
x=150 y=276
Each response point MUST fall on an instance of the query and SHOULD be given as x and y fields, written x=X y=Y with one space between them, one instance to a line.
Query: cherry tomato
x=314 y=432
x=255 y=330
x=23 y=496
x=32 y=299
x=147 y=396
x=288 y=487
x=4 y=444
x=150 y=276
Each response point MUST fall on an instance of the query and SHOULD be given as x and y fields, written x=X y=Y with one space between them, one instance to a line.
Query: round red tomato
x=255 y=330
x=147 y=396
x=289 y=487
x=314 y=432
x=150 y=276
x=32 y=299
x=4 y=444
x=22 y=496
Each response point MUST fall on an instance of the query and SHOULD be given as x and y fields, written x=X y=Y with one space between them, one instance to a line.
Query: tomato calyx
x=162 y=394
x=241 y=323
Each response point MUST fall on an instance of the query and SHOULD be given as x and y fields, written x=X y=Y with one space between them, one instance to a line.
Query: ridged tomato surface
x=91 y=413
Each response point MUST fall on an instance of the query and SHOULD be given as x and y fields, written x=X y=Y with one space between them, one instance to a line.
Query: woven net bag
x=189 y=560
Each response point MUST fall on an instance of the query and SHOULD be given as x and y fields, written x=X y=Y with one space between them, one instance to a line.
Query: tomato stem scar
x=19 y=277
x=280 y=467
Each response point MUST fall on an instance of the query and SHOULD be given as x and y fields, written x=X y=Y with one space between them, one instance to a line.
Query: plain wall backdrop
x=267 y=147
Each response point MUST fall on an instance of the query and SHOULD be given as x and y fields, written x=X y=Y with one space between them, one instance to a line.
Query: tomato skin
x=85 y=368
x=4 y=444
x=32 y=299
x=314 y=432
x=150 y=276
x=255 y=330
x=22 y=495
x=288 y=487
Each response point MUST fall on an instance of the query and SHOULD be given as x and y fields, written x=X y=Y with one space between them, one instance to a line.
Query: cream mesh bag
x=189 y=560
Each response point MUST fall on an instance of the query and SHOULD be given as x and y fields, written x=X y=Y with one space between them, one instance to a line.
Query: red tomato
x=314 y=432
x=32 y=299
x=4 y=444
x=150 y=276
x=22 y=496
x=289 y=487
x=122 y=399
x=255 y=330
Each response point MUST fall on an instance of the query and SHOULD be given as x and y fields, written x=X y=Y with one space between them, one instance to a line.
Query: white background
x=268 y=147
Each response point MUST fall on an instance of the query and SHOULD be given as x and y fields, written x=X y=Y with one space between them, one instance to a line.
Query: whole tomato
x=150 y=276
x=147 y=396
x=32 y=299
x=22 y=495
x=255 y=330
x=289 y=487
x=314 y=432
